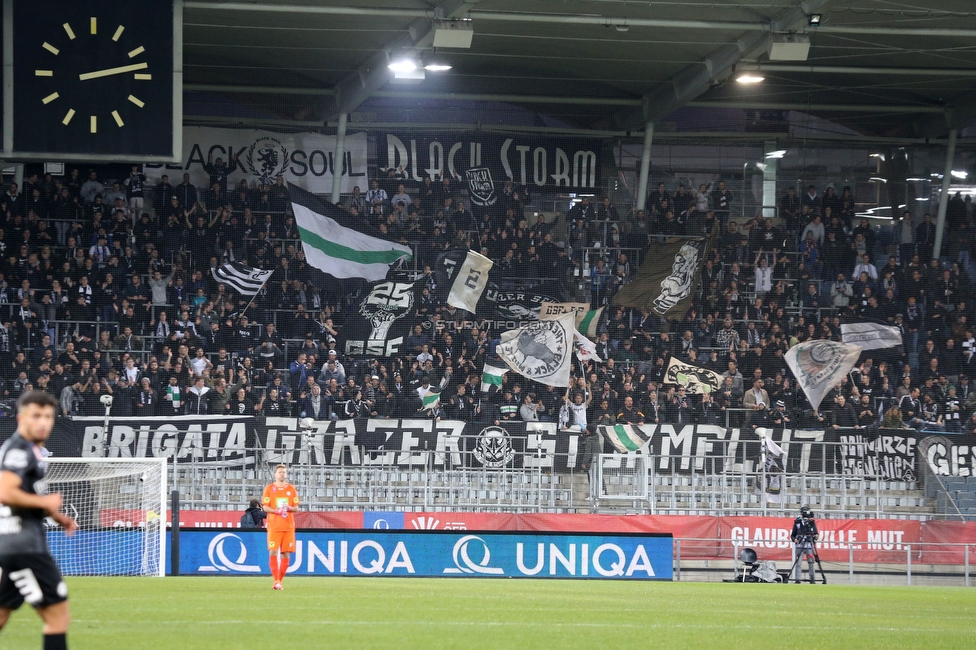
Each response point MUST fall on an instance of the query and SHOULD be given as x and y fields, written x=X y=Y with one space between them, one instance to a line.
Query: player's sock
x=273 y=563
x=56 y=641
x=284 y=567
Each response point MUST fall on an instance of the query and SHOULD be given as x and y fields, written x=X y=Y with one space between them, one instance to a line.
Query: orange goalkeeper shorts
x=280 y=540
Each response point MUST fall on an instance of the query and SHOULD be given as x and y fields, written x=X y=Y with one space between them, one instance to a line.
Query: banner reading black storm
x=892 y=454
x=484 y=161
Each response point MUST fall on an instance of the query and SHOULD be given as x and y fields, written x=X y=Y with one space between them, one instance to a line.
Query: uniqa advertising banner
x=435 y=554
x=305 y=159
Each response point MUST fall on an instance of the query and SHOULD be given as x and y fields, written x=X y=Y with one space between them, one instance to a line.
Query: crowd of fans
x=106 y=288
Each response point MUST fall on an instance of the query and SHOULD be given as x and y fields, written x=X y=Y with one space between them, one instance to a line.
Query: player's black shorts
x=33 y=577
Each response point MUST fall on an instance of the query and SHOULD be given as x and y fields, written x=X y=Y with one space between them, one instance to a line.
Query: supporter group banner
x=305 y=159
x=892 y=454
x=484 y=161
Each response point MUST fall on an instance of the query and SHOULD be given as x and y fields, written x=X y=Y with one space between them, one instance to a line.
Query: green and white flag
x=590 y=322
x=587 y=320
x=492 y=376
x=625 y=438
x=431 y=401
x=337 y=243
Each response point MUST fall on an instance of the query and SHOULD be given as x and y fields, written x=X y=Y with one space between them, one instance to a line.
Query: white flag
x=470 y=282
x=541 y=351
x=871 y=336
x=244 y=279
x=819 y=366
x=585 y=348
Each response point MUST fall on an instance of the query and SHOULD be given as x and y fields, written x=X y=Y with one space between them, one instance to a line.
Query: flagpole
x=249 y=302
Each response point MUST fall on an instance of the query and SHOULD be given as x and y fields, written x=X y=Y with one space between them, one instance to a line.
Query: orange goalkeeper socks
x=275 y=571
x=283 y=567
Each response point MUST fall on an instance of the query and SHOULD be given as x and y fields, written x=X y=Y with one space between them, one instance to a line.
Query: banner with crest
x=259 y=156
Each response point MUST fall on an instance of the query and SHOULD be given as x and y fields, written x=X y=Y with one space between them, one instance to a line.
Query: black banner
x=891 y=454
x=383 y=320
x=65 y=440
x=533 y=162
x=242 y=441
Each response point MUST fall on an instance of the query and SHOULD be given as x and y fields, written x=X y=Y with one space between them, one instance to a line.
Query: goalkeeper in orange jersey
x=280 y=501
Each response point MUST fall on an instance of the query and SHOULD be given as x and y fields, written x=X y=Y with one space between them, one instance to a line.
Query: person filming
x=804 y=536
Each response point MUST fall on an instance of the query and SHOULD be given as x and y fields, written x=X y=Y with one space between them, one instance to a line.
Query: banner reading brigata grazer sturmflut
x=892 y=454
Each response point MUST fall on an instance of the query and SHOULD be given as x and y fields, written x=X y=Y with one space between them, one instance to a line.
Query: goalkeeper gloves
x=282 y=511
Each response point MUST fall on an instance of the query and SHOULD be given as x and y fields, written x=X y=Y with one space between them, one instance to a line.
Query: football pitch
x=214 y=613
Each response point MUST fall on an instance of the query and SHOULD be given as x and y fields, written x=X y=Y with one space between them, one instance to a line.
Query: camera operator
x=804 y=535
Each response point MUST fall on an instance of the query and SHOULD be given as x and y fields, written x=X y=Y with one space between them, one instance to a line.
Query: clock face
x=93 y=78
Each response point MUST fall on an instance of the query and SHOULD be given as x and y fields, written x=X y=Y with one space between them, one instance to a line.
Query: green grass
x=214 y=613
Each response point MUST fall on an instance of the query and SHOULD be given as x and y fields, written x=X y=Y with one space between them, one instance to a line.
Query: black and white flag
x=241 y=278
x=871 y=336
x=542 y=350
x=464 y=276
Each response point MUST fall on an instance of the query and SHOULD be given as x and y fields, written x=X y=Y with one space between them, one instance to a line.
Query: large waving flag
x=339 y=244
x=819 y=366
x=542 y=350
x=667 y=278
x=241 y=278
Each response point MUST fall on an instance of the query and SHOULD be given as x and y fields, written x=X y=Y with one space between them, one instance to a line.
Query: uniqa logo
x=218 y=556
x=463 y=557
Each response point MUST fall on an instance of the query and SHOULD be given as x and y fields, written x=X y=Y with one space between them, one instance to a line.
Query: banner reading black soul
x=534 y=162
x=892 y=454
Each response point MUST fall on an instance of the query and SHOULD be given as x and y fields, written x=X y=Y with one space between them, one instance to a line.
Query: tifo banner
x=892 y=454
x=484 y=161
x=243 y=441
x=436 y=554
x=305 y=159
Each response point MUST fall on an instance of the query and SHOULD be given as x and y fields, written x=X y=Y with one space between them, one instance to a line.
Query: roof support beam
x=353 y=89
x=698 y=77
x=836 y=108
x=569 y=19
x=843 y=69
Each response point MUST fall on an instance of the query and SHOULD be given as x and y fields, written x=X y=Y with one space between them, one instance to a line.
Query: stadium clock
x=94 y=79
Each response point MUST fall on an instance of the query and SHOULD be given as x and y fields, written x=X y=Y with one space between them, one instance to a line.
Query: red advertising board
x=702 y=537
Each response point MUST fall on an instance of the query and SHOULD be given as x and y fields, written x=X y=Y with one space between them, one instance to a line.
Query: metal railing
x=454 y=479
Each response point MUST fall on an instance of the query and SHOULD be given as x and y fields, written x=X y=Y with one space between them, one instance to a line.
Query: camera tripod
x=816 y=556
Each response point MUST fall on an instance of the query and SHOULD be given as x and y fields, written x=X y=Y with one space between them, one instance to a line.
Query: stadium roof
x=878 y=67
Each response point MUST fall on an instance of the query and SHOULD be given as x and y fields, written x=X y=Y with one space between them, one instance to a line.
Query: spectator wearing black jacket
x=844 y=415
x=197 y=398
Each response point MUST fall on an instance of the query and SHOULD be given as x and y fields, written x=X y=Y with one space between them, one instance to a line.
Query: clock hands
x=112 y=71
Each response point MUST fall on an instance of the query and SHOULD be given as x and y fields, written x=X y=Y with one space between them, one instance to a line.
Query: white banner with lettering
x=305 y=159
